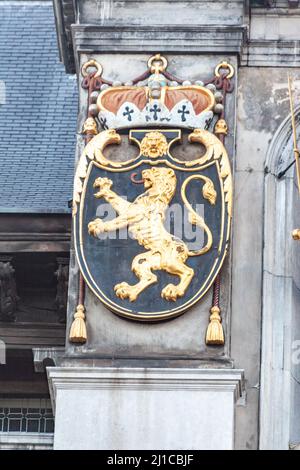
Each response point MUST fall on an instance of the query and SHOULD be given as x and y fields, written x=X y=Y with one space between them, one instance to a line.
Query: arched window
x=280 y=363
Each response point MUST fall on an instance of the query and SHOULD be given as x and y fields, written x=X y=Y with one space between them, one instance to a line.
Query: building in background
x=38 y=114
x=243 y=393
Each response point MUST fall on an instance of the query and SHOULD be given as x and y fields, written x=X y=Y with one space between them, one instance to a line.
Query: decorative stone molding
x=92 y=39
x=26 y=441
x=144 y=379
x=64 y=12
x=61 y=299
x=147 y=26
x=273 y=37
x=157 y=12
x=8 y=292
x=270 y=6
x=94 y=405
x=44 y=357
x=228 y=27
x=271 y=53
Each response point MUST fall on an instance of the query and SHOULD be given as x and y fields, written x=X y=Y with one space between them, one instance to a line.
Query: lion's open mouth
x=153 y=150
x=97 y=185
x=147 y=182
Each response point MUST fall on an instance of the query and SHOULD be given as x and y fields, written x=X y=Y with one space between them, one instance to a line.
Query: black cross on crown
x=128 y=113
x=155 y=110
x=183 y=112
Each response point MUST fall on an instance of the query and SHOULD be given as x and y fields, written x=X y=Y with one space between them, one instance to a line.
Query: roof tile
x=39 y=114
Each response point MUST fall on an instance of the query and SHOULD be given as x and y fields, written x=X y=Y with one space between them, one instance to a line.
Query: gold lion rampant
x=144 y=218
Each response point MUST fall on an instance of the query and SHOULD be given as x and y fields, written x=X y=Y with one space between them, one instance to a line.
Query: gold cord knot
x=78 y=328
x=214 y=333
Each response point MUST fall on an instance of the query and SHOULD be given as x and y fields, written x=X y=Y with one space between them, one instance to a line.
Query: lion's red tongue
x=135 y=181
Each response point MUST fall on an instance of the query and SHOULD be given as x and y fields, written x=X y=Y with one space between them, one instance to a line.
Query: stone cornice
x=111 y=378
x=271 y=53
x=158 y=12
x=221 y=30
x=115 y=15
x=92 y=39
x=64 y=12
x=279 y=11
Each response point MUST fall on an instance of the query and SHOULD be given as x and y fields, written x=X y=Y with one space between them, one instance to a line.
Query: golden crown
x=158 y=101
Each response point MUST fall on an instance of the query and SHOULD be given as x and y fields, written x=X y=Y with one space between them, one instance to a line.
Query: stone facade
x=129 y=368
x=167 y=407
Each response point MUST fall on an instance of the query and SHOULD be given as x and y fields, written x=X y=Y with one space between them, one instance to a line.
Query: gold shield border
x=150 y=316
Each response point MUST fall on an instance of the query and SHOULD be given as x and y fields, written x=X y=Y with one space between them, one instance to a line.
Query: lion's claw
x=171 y=292
x=96 y=227
x=103 y=183
x=125 y=291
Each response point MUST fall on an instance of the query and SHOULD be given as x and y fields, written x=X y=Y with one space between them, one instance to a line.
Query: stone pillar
x=157 y=385
x=144 y=408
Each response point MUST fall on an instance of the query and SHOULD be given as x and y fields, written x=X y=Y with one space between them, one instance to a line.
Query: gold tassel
x=78 y=328
x=214 y=333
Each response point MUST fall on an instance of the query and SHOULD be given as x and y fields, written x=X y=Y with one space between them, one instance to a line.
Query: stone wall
x=121 y=42
x=259 y=114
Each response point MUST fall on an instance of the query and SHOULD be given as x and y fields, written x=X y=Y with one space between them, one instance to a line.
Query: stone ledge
x=92 y=39
x=228 y=40
x=157 y=11
x=26 y=441
x=45 y=356
x=145 y=379
x=271 y=53
x=115 y=14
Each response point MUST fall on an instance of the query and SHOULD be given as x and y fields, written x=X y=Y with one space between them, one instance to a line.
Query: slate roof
x=38 y=112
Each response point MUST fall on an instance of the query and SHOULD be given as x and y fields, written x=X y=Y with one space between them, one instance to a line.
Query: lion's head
x=154 y=145
x=160 y=181
x=90 y=126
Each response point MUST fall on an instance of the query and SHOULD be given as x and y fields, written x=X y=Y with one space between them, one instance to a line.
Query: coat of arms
x=135 y=216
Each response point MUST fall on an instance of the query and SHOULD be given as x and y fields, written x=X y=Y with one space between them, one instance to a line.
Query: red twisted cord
x=91 y=84
x=226 y=85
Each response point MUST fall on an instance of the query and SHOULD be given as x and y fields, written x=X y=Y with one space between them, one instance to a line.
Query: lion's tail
x=210 y=194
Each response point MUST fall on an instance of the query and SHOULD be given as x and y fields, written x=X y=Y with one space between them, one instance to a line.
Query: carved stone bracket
x=44 y=357
x=8 y=291
x=61 y=299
